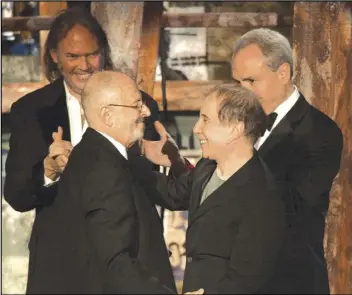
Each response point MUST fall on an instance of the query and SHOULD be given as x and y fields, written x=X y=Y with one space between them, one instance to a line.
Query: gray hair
x=238 y=104
x=274 y=46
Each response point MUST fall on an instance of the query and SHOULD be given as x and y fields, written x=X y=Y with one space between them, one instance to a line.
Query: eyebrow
x=237 y=81
x=204 y=116
x=77 y=55
x=244 y=79
x=248 y=78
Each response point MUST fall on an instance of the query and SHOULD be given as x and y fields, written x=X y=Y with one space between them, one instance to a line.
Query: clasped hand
x=59 y=151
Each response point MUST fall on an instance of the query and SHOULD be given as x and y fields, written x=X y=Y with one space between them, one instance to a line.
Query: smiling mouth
x=83 y=76
x=203 y=141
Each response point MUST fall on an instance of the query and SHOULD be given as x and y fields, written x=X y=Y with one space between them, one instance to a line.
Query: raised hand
x=59 y=146
x=59 y=151
x=163 y=151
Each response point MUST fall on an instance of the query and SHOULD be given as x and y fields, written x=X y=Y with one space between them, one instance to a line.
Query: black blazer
x=304 y=152
x=33 y=119
x=234 y=236
x=101 y=234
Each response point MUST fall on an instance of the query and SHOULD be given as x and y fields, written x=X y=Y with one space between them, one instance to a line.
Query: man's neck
x=234 y=160
x=72 y=93
x=271 y=106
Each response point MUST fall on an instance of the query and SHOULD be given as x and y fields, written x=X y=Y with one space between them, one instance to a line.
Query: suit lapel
x=227 y=190
x=55 y=113
x=286 y=126
x=205 y=172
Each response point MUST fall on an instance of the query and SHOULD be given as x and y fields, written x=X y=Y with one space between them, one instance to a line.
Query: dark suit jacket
x=304 y=152
x=33 y=119
x=234 y=236
x=101 y=235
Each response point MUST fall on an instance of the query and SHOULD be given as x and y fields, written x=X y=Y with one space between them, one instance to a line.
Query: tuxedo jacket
x=101 y=234
x=304 y=152
x=33 y=119
x=234 y=236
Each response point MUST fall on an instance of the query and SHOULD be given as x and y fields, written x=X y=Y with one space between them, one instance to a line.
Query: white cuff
x=48 y=182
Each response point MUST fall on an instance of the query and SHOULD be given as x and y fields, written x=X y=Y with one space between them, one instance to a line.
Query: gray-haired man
x=302 y=147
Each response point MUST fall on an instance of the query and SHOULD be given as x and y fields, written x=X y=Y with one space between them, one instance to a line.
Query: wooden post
x=148 y=53
x=122 y=22
x=322 y=43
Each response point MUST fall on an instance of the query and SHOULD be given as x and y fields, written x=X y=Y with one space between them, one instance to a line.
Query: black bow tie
x=270 y=119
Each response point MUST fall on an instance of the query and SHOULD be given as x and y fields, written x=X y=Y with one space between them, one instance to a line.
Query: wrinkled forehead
x=210 y=104
x=79 y=38
x=248 y=59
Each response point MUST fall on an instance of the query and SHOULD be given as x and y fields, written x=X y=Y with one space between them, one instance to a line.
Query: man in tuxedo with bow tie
x=302 y=147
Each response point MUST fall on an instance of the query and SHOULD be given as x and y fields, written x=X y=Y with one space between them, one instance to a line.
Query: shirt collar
x=286 y=105
x=69 y=96
x=120 y=147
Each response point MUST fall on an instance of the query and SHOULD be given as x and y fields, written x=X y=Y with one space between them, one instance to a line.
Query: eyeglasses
x=138 y=106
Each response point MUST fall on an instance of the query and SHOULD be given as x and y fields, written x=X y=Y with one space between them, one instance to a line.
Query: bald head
x=103 y=88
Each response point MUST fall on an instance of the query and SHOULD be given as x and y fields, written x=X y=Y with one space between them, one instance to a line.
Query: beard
x=138 y=132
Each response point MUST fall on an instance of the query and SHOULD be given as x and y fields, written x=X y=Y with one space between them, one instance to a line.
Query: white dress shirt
x=75 y=121
x=120 y=147
x=281 y=111
x=75 y=117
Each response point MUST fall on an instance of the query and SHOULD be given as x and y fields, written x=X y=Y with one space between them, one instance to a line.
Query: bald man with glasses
x=103 y=235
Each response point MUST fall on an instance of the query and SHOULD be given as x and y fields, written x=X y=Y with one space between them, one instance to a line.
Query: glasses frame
x=137 y=107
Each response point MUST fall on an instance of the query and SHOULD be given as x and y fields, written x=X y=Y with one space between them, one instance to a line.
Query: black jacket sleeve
x=23 y=188
x=314 y=165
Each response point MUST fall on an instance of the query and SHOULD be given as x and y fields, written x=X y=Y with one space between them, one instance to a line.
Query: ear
x=284 y=73
x=239 y=129
x=236 y=131
x=106 y=117
x=53 y=54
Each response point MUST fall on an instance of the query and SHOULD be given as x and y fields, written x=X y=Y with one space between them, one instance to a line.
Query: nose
x=145 y=111
x=84 y=63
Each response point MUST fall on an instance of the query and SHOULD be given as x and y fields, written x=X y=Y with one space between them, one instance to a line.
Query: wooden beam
x=122 y=22
x=172 y=20
x=225 y=20
x=184 y=95
x=20 y=23
x=148 y=53
x=322 y=43
x=181 y=95
x=50 y=8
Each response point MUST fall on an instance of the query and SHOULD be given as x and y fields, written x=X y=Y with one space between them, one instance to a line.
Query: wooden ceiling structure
x=322 y=43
